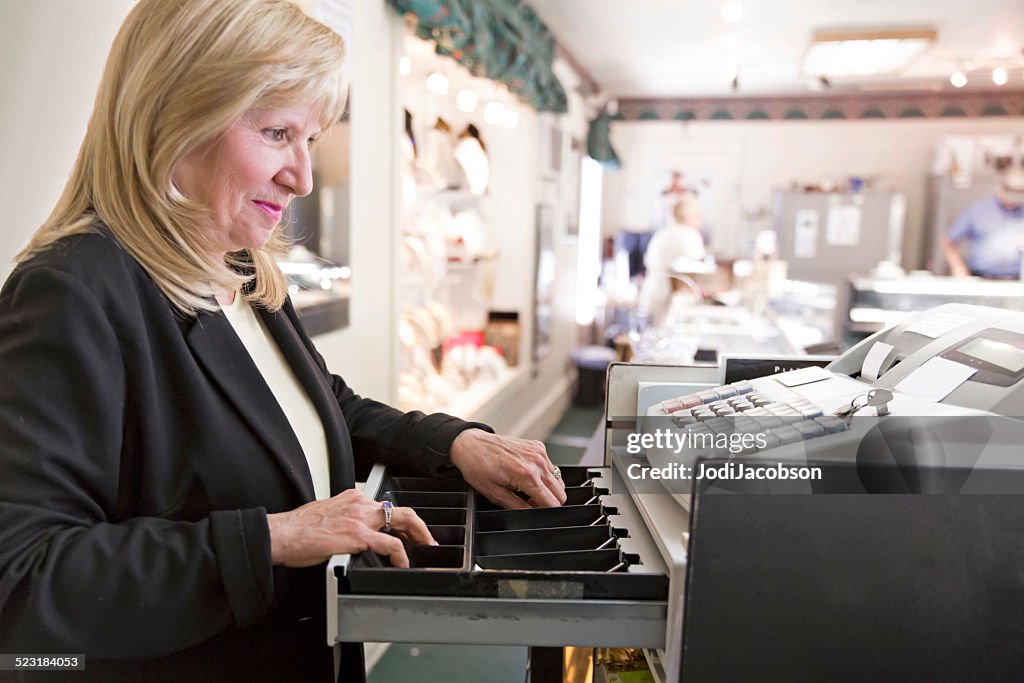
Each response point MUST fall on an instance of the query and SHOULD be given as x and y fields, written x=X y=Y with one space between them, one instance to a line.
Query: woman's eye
x=312 y=141
x=276 y=134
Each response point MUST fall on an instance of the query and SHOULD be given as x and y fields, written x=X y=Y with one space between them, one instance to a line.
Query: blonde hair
x=687 y=209
x=180 y=73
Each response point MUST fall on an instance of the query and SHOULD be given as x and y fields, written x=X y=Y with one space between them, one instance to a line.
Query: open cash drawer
x=584 y=574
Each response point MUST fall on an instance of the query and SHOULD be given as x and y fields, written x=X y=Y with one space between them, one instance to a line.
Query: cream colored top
x=293 y=399
x=670 y=247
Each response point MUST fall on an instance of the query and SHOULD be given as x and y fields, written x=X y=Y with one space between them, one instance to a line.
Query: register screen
x=1004 y=355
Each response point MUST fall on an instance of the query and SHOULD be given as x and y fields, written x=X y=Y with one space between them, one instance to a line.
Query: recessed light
x=732 y=11
x=494 y=113
x=467 y=100
x=437 y=83
x=509 y=118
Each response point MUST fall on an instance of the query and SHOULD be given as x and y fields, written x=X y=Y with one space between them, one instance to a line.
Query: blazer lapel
x=319 y=391
x=225 y=358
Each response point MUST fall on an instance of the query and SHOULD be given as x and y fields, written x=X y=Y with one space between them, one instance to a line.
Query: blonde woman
x=671 y=250
x=176 y=461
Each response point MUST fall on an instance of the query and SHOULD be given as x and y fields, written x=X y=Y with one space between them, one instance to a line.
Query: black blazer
x=140 y=453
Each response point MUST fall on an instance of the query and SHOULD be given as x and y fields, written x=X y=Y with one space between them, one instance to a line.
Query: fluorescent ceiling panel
x=865 y=53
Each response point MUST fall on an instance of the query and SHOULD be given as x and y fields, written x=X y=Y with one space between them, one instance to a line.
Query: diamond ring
x=389 y=510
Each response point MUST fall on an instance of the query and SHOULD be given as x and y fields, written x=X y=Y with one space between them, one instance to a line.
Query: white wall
x=52 y=54
x=365 y=352
x=770 y=154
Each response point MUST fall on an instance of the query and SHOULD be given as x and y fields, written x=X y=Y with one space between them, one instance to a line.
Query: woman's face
x=247 y=176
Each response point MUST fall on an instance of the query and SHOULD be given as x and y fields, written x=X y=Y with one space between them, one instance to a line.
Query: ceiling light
x=467 y=100
x=865 y=53
x=1003 y=48
x=732 y=12
x=509 y=118
x=404 y=65
x=494 y=113
x=958 y=79
x=437 y=83
x=999 y=75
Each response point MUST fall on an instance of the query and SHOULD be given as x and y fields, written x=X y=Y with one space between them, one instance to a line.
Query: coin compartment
x=556 y=539
x=427 y=499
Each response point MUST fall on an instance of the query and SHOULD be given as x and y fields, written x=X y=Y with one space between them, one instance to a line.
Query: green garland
x=501 y=40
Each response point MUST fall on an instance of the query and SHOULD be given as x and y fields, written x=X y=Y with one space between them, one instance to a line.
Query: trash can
x=591 y=367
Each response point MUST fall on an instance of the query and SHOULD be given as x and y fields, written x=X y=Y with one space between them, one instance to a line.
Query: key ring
x=877 y=398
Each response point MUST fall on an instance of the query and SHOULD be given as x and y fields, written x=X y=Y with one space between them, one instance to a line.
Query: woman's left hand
x=498 y=466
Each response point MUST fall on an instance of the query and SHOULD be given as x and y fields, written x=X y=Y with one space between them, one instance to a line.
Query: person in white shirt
x=673 y=250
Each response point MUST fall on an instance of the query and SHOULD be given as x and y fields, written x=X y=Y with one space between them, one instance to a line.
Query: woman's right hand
x=346 y=523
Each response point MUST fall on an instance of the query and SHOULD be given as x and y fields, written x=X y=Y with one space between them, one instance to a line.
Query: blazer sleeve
x=73 y=578
x=384 y=434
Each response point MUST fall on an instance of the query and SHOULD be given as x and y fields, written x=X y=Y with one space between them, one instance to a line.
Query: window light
x=588 y=254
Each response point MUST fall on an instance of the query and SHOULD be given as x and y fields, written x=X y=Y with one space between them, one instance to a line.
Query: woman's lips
x=271 y=209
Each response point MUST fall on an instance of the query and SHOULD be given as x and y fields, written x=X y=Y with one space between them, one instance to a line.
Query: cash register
x=715 y=585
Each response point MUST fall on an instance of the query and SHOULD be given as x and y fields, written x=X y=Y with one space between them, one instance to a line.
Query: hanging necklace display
x=439 y=156
x=471 y=154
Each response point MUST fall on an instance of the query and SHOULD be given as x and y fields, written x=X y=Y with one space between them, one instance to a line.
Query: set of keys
x=876 y=398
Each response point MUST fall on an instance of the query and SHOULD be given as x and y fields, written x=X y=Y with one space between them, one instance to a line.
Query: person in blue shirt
x=994 y=230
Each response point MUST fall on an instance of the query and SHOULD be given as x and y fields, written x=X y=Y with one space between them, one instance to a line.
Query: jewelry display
x=439 y=156
x=472 y=157
x=447 y=264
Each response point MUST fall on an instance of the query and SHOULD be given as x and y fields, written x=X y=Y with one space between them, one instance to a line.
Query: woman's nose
x=297 y=175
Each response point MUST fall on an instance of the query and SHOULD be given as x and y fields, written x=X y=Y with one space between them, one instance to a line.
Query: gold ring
x=557 y=472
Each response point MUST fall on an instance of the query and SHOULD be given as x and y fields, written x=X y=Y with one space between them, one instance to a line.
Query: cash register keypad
x=739 y=408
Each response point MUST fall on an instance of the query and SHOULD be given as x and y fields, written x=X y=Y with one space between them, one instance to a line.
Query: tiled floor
x=445 y=663
x=570 y=438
